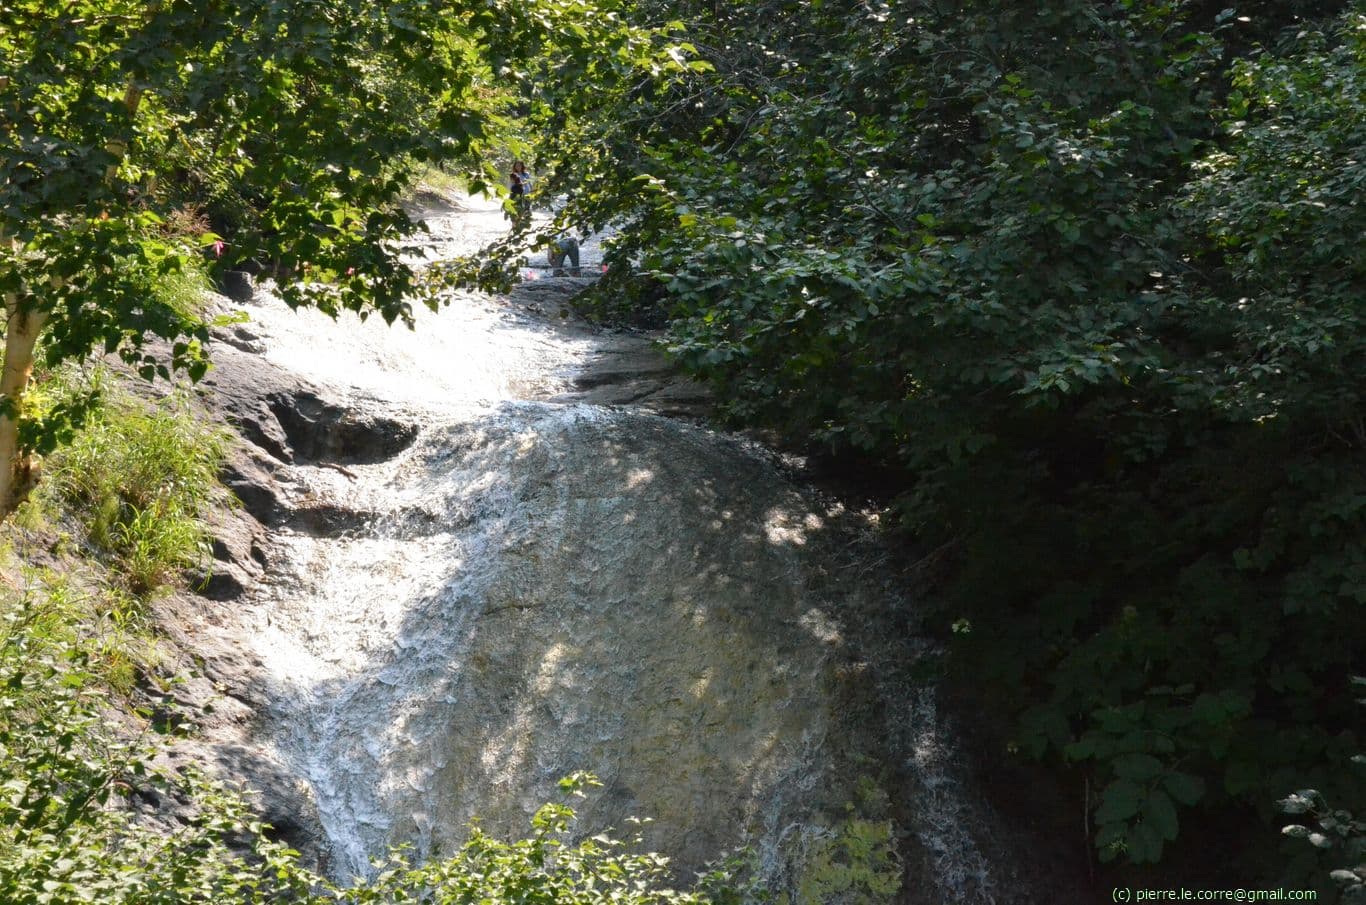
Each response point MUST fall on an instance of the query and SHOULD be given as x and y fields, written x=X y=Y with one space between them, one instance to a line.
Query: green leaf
x=1137 y=767
x=1184 y=788
x=1120 y=801
x=1159 y=811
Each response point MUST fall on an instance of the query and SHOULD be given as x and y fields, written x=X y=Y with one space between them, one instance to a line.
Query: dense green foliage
x=1083 y=281
x=1332 y=830
x=60 y=838
x=120 y=114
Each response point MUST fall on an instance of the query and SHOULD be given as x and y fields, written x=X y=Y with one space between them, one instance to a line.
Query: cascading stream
x=538 y=585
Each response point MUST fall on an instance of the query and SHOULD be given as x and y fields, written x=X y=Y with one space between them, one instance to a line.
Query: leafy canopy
x=1081 y=282
x=130 y=127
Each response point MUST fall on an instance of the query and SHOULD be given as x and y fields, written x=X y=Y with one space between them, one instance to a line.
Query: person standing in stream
x=558 y=250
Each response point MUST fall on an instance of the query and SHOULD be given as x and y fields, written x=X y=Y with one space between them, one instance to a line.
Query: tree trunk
x=18 y=470
x=19 y=467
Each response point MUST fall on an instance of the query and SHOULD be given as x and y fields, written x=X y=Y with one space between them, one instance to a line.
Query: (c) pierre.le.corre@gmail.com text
x=1173 y=894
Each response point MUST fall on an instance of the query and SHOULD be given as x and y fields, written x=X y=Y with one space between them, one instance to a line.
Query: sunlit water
x=537 y=587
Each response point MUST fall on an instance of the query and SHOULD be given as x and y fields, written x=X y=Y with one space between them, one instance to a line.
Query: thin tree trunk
x=18 y=470
x=19 y=467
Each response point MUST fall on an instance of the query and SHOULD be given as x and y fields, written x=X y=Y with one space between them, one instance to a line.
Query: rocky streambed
x=477 y=557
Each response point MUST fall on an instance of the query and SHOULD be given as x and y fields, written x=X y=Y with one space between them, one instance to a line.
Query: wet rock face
x=321 y=431
x=437 y=600
x=239 y=559
x=549 y=588
x=624 y=368
x=214 y=687
x=291 y=419
x=621 y=594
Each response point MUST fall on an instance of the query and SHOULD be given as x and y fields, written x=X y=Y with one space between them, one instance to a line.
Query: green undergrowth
x=183 y=289
x=81 y=610
x=854 y=862
x=118 y=518
x=136 y=482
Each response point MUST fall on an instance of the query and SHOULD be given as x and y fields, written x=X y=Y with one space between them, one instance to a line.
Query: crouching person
x=559 y=249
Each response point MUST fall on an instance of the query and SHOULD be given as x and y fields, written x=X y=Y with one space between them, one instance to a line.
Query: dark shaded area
x=1073 y=290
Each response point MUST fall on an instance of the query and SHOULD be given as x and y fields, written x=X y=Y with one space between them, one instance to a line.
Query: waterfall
x=538 y=585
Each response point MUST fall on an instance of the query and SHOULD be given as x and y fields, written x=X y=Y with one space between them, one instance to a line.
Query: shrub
x=1334 y=833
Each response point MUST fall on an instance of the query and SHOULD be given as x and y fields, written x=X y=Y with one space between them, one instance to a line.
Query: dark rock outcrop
x=291 y=419
x=238 y=285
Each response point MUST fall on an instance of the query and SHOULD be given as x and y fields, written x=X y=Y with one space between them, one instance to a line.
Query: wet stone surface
x=473 y=558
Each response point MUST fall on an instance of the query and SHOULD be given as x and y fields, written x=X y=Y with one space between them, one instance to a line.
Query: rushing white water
x=473 y=353
x=539 y=586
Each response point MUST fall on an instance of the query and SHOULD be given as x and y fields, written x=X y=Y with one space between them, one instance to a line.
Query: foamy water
x=535 y=588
